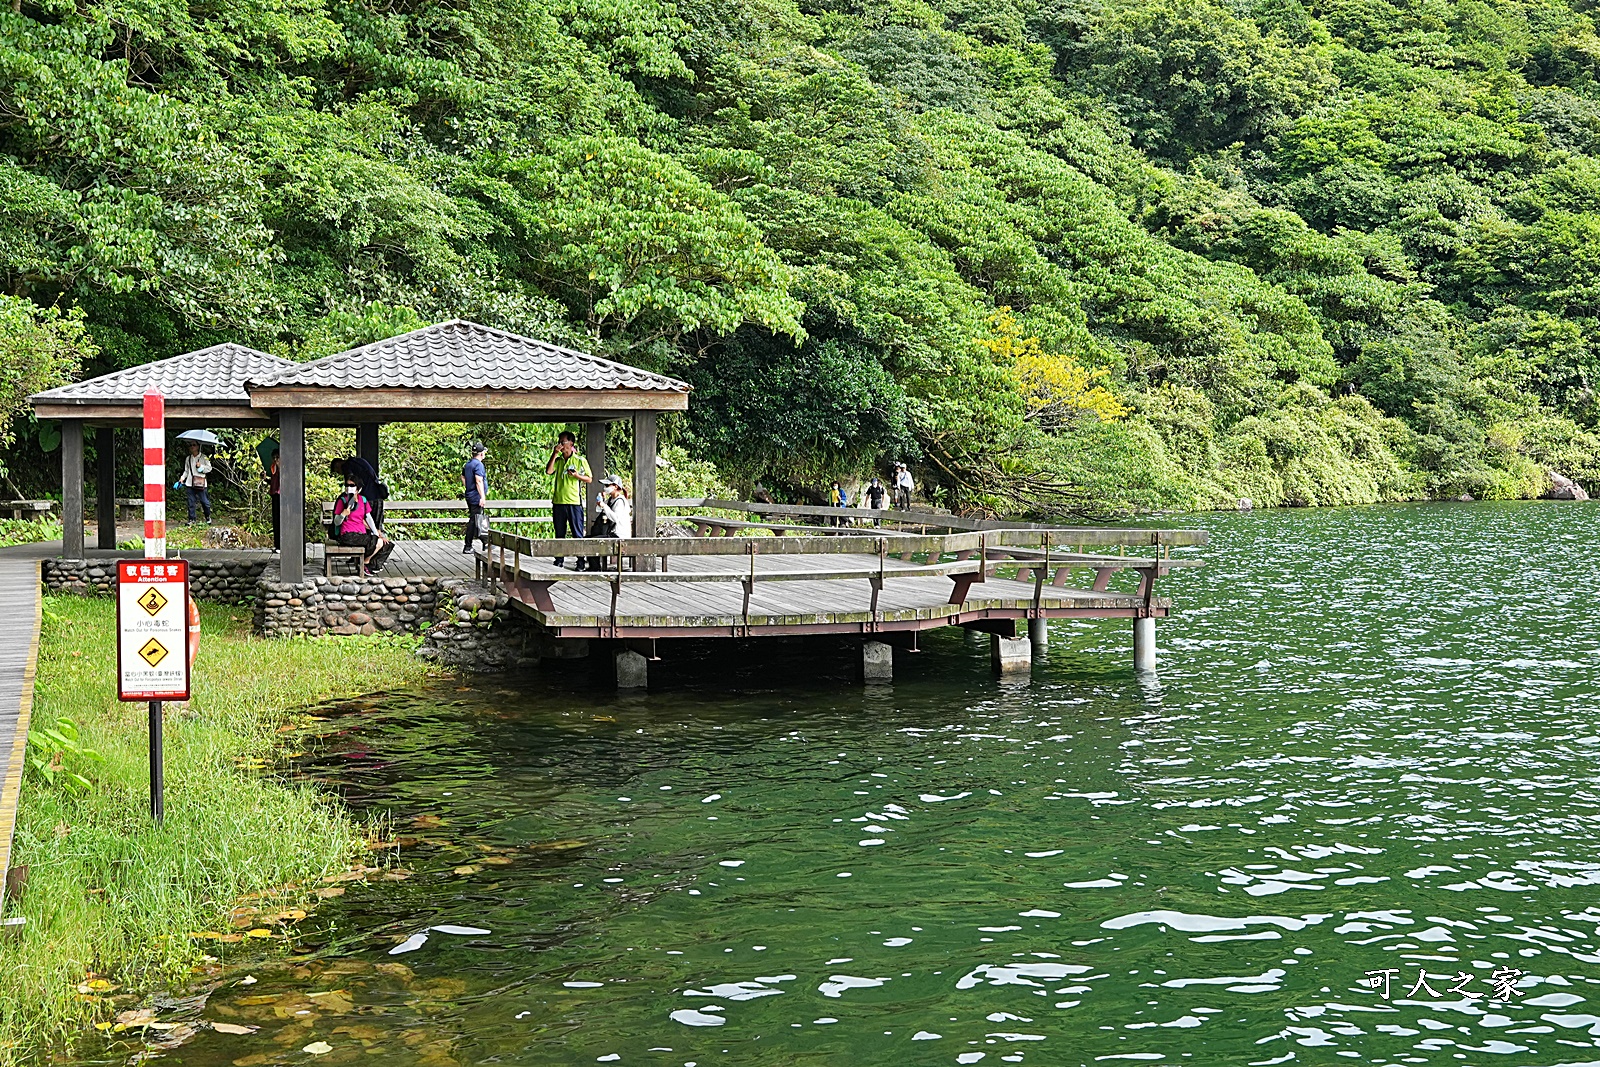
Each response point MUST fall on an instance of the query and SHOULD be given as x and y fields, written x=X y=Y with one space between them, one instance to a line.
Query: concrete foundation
x=633 y=670
x=569 y=648
x=1144 y=644
x=1010 y=653
x=1039 y=635
x=877 y=662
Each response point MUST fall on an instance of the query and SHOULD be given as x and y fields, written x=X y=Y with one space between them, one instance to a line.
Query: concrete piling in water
x=1144 y=644
x=877 y=661
x=1010 y=654
x=633 y=670
x=1039 y=636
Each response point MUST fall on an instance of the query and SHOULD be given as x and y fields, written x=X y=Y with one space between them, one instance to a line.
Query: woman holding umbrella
x=196 y=465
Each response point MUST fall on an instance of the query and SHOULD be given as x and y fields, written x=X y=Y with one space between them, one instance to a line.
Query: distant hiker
x=615 y=518
x=875 y=495
x=475 y=481
x=195 y=468
x=571 y=473
x=354 y=526
x=902 y=487
x=837 y=498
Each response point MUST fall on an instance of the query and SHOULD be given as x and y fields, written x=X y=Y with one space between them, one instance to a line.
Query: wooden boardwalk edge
x=11 y=789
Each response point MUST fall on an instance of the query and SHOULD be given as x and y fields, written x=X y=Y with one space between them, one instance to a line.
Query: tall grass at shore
x=109 y=893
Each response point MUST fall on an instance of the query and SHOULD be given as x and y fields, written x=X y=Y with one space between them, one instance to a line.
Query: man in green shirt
x=572 y=476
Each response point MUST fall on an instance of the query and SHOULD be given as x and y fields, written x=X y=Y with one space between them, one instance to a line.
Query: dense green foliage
x=1324 y=253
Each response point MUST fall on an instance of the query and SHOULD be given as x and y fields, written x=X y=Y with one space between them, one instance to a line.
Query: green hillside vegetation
x=1064 y=255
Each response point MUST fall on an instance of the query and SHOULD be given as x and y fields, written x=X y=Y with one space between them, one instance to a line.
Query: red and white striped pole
x=155 y=476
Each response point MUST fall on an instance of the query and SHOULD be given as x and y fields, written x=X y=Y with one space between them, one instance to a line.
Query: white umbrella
x=205 y=437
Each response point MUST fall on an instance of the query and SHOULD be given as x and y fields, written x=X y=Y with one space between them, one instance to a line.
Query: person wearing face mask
x=354 y=525
x=571 y=476
x=615 y=518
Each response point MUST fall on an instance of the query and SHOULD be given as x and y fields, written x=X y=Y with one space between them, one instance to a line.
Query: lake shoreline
x=112 y=899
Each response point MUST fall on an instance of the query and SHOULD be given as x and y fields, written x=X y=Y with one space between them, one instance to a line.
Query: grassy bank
x=109 y=893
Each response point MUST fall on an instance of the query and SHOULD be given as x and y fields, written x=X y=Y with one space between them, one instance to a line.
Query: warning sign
x=152 y=627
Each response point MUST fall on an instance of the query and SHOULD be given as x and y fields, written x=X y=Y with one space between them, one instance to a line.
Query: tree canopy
x=1063 y=255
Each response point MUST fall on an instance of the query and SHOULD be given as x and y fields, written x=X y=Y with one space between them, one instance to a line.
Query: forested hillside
x=1064 y=254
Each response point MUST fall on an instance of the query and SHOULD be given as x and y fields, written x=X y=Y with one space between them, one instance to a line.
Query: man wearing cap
x=902 y=487
x=475 y=480
x=572 y=476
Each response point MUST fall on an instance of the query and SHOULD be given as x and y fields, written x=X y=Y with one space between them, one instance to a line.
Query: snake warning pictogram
x=152 y=601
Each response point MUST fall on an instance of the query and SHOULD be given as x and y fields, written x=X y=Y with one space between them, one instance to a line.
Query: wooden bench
x=28 y=509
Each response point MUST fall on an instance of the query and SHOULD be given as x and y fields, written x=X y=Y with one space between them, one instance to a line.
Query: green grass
x=28 y=531
x=113 y=895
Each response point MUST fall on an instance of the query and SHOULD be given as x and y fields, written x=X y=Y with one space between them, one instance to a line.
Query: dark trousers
x=277 y=522
x=367 y=541
x=568 y=521
x=471 y=534
x=902 y=499
x=199 y=496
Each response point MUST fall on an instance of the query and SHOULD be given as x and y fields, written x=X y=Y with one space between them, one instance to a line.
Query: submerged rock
x=1564 y=488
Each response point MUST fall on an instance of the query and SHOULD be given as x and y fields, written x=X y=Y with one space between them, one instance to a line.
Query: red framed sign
x=152 y=629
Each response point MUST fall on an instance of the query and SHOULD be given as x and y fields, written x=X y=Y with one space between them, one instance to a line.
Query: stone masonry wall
x=226 y=581
x=345 y=605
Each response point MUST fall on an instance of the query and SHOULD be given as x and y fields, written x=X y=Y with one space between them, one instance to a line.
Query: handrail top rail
x=842 y=544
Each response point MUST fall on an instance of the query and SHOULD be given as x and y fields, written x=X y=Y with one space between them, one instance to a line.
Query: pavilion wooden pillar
x=367 y=443
x=292 y=496
x=105 y=518
x=594 y=449
x=72 y=488
x=644 y=476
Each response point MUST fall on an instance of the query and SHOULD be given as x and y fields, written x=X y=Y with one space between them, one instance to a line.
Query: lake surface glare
x=1373 y=746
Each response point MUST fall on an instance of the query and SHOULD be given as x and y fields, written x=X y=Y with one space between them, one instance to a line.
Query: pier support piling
x=633 y=670
x=1144 y=644
x=1039 y=636
x=877 y=662
x=1010 y=654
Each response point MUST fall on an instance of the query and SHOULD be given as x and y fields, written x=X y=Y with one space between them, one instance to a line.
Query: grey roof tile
x=464 y=355
x=211 y=374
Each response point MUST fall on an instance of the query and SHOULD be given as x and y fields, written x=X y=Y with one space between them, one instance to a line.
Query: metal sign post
x=153 y=609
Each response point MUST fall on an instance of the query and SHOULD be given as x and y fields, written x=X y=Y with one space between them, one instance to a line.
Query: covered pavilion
x=453 y=372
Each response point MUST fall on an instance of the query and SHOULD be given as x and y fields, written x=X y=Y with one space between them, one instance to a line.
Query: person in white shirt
x=196 y=466
x=614 y=520
x=902 y=487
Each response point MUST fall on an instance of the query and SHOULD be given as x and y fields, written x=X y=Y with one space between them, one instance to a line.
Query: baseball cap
x=476 y=447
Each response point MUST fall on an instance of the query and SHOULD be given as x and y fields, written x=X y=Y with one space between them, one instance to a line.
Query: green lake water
x=1373 y=744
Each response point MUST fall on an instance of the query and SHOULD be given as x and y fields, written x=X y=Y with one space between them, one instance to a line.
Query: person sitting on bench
x=355 y=527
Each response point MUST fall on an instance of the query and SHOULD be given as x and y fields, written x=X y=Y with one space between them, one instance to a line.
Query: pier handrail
x=973 y=561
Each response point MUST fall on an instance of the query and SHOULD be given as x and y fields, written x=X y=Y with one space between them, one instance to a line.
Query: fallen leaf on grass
x=96 y=985
x=206 y=935
x=470 y=868
x=497 y=861
x=399 y=874
x=260 y=931
x=135 y=1017
x=318 y=1048
x=330 y=892
x=233 y=1028
x=231 y=939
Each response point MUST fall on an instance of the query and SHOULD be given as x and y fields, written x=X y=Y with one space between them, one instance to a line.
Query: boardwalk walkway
x=19 y=652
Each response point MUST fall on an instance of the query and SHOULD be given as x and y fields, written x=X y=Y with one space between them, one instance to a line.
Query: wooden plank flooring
x=19 y=655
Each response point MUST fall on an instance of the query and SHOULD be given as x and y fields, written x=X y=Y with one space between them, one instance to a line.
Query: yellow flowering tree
x=1058 y=391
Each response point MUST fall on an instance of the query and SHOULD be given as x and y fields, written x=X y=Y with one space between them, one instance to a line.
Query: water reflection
x=1369 y=758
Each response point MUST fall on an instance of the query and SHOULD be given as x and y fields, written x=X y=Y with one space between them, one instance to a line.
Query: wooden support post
x=594 y=450
x=72 y=488
x=644 y=482
x=367 y=443
x=292 y=496
x=1144 y=644
x=105 y=517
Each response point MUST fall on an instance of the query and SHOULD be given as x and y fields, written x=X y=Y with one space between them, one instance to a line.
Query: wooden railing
x=1044 y=556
